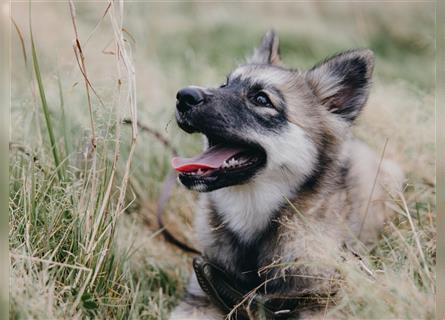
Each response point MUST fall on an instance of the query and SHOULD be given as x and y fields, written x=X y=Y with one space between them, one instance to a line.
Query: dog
x=283 y=184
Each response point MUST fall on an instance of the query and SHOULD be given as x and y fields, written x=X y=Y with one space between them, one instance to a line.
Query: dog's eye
x=262 y=100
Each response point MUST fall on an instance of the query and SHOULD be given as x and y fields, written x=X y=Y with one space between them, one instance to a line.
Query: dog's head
x=270 y=120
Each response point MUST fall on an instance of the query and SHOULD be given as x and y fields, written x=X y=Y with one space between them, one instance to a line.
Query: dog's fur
x=319 y=182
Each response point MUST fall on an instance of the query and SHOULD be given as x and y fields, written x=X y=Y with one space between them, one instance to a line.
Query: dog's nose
x=189 y=97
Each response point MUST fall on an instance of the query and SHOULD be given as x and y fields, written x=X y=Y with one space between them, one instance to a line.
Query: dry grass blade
x=158 y=136
x=125 y=67
x=97 y=25
x=93 y=149
x=82 y=67
x=22 y=41
x=49 y=262
x=417 y=240
x=373 y=187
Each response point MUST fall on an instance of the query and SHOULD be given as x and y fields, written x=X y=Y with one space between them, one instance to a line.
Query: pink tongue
x=212 y=158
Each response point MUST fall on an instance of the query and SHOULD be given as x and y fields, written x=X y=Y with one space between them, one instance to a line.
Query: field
x=83 y=186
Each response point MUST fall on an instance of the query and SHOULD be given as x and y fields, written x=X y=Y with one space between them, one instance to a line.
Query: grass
x=83 y=187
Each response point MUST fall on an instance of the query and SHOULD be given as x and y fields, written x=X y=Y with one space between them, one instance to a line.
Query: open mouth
x=221 y=165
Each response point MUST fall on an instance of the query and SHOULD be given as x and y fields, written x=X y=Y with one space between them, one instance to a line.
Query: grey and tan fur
x=315 y=192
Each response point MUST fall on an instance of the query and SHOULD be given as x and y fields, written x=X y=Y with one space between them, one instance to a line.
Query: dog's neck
x=247 y=209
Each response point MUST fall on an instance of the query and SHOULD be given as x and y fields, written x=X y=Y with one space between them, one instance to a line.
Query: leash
x=166 y=190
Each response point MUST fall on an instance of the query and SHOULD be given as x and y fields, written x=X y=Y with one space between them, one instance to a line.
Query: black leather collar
x=230 y=296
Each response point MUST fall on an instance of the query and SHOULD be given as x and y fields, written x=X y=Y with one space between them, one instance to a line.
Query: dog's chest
x=247 y=210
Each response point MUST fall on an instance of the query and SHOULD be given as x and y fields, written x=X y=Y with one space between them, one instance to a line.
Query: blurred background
x=128 y=269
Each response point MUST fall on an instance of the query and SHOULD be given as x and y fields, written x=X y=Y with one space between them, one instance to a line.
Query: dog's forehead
x=265 y=74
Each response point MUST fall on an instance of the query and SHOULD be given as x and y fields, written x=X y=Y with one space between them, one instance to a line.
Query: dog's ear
x=342 y=82
x=268 y=52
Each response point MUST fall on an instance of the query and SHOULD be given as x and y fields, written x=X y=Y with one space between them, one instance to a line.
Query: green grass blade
x=63 y=116
x=45 y=108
